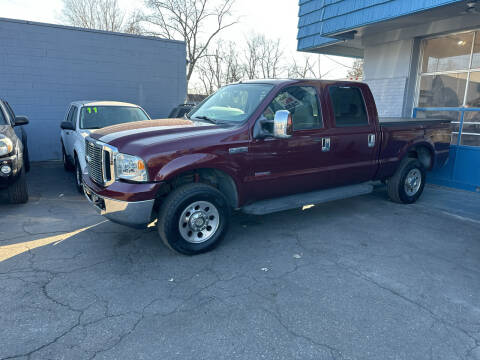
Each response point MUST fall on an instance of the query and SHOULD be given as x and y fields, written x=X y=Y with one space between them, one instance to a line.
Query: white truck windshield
x=97 y=117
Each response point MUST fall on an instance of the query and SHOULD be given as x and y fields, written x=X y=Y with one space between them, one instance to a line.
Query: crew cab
x=14 y=161
x=84 y=116
x=260 y=147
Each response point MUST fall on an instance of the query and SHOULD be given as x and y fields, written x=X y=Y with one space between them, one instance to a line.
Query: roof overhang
x=351 y=43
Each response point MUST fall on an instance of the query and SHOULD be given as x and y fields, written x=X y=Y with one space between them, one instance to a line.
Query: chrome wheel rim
x=198 y=222
x=413 y=181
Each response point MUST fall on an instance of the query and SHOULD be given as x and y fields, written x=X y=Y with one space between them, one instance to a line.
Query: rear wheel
x=407 y=184
x=78 y=176
x=193 y=219
x=18 y=191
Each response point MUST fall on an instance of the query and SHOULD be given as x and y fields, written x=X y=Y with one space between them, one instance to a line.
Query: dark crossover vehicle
x=14 y=161
x=180 y=110
x=260 y=147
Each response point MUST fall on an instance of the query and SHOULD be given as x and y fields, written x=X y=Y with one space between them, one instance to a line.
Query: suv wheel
x=78 y=176
x=18 y=192
x=66 y=163
x=407 y=184
x=193 y=219
x=26 y=159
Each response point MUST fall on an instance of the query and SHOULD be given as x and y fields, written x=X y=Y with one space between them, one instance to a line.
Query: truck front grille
x=94 y=161
x=99 y=159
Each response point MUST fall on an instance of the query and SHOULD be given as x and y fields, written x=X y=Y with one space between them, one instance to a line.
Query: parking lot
x=362 y=278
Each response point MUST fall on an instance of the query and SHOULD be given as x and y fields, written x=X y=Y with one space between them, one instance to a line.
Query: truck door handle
x=371 y=140
x=325 y=144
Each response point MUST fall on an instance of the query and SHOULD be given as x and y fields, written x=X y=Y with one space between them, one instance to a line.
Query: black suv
x=14 y=160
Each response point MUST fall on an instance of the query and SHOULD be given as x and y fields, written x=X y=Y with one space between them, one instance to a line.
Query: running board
x=269 y=206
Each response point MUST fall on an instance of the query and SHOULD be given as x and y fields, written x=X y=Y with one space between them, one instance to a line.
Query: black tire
x=396 y=185
x=18 y=191
x=67 y=165
x=78 y=176
x=26 y=159
x=177 y=203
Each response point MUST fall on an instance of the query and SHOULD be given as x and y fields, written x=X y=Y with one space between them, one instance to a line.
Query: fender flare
x=200 y=161
x=80 y=155
x=417 y=144
x=190 y=162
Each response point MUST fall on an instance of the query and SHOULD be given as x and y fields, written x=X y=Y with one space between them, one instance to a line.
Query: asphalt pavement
x=362 y=278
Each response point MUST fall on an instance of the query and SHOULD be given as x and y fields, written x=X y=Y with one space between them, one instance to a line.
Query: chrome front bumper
x=136 y=214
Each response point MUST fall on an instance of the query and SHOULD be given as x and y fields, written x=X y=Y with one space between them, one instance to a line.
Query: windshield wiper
x=206 y=118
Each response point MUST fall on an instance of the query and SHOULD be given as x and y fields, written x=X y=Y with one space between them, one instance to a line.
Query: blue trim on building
x=320 y=19
x=463 y=167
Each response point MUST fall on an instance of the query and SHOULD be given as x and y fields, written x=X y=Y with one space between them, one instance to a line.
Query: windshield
x=97 y=117
x=2 y=118
x=231 y=104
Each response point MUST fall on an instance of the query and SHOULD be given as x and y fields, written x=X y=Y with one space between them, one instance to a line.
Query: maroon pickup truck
x=260 y=147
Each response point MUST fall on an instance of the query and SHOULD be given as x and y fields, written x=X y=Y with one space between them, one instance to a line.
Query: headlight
x=6 y=145
x=129 y=167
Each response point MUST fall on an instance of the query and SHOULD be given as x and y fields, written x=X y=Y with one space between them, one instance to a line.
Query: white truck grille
x=99 y=162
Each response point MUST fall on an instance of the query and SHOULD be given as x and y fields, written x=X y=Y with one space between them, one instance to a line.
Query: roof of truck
x=102 y=103
x=292 y=81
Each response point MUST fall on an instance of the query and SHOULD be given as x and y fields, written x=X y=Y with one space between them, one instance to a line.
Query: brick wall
x=45 y=67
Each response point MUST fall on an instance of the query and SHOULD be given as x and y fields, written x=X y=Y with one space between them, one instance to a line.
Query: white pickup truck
x=84 y=116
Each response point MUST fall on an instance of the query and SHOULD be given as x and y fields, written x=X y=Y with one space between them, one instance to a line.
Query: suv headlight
x=129 y=167
x=6 y=145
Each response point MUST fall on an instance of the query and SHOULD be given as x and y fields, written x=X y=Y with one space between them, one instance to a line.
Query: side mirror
x=67 y=125
x=282 y=124
x=21 y=120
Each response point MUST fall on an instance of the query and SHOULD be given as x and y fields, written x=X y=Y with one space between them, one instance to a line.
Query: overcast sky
x=274 y=18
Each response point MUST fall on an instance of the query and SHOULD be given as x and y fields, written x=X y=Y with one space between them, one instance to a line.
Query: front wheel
x=78 y=176
x=66 y=163
x=407 y=184
x=18 y=192
x=193 y=219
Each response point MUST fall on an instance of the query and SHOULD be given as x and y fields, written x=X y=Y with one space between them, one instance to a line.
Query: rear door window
x=73 y=118
x=348 y=106
x=70 y=114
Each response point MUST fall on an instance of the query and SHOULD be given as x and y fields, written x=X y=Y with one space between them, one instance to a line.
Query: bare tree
x=133 y=24
x=234 y=69
x=190 y=21
x=356 y=72
x=94 y=14
x=303 y=70
x=219 y=67
x=263 y=57
x=252 y=56
x=271 y=56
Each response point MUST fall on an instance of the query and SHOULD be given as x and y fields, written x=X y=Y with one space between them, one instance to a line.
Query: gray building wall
x=391 y=62
x=44 y=67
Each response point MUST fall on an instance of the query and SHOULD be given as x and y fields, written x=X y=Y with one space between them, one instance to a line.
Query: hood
x=7 y=131
x=135 y=136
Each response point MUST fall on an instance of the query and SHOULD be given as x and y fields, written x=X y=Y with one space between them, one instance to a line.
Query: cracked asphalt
x=362 y=278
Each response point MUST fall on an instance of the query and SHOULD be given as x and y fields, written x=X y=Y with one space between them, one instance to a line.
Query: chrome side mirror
x=282 y=124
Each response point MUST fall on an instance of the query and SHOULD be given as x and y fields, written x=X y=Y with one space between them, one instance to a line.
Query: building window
x=449 y=84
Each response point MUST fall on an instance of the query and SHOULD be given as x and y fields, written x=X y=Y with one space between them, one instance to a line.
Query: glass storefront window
x=476 y=52
x=451 y=52
x=445 y=90
x=473 y=91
